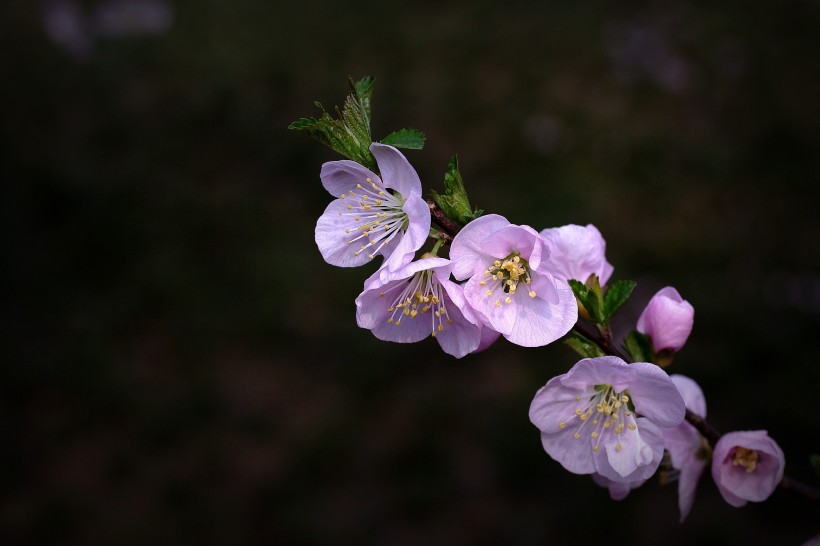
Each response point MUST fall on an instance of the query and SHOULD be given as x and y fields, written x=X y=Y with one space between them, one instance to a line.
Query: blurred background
x=180 y=366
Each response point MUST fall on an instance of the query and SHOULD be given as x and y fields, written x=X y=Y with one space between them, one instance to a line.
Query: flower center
x=422 y=294
x=747 y=458
x=378 y=215
x=603 y=414
x=504 y=275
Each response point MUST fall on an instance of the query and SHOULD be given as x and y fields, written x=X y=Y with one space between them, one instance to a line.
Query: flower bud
x=668 y=320
x=747 y=466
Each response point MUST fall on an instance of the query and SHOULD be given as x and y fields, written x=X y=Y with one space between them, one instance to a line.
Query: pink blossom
x=747 y=466
x=576 y=252
x=509 y=285
x=372 y=215
x=687 y=448
x=605 y=416
x=667 y=319
x=418 y=301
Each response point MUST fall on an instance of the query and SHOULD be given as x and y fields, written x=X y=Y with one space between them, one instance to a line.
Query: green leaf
x=364 y=91
x=589 y=295
x=412 y=139
x=349 y=132
x=638 y=346
x=815 y=462
x=616 y=295
x=454 y=203
x=583 y=346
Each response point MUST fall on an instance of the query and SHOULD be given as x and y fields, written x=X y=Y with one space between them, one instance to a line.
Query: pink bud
x=747 y=466
x=667 y=319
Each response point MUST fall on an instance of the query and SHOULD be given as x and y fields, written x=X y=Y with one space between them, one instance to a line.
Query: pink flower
x=576 y=252
x=605 y=416
x=687 y=448
x=509 y=285
x=417 y=301
x=667 y=319
x=372 y=216
x=747 y=466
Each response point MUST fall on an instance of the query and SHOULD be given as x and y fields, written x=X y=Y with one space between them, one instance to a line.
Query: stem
x=450 y=227
x=437 y=246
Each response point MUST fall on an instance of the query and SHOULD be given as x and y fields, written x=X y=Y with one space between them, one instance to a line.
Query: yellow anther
x=595 y=449
x=368 y=180
x=497 y=263
x=624 y=398
x=532 y=293
x=356 y=218
x=406 y=311
x=381 y=294
x=434 y=333
x=607 y=424
x=507 y=300
x=440 y=328
x=632 y=426
x=618 y=447
x=497 y=303
x=342 y=196
x=349 y=207
x=578 y=412
x=390 y=320
x=584 y=417
x=489 y=292
x=487 y=273
x=594 y=434
x=576 y=435
x=595 y=421
x=577 y=397
x=398 y=322
x=561 y=425
x=413 y=314
x=746 y=458
x=516 y=259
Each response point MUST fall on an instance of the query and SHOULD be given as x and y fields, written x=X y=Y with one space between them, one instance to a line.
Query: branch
x=450 y=227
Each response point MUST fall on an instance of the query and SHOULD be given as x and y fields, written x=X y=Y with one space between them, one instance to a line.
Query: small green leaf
x=589 y=295
x=583 y=346
x=454 y=202
x=815 y=462
x=616 y=295
x=349 y=132
x=639 y=346
x=412 y=139
x=364 y=90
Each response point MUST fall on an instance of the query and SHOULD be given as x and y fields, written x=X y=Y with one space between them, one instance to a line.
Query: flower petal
x=500 y=317
x=691 y=393
x=334 y=243
x=574 y=455
x=537 y=322
x=639 y=456
x=687 y=485
x=397 y=173
x=340 y=177
x=602 y=370
x=655 y=395
x=554 y=404
x=465 y=250
x=418 y=228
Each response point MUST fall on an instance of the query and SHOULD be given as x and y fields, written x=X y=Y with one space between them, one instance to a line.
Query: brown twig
x=448 y=225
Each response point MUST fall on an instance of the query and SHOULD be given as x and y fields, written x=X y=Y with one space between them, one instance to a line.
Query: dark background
x=180 y=366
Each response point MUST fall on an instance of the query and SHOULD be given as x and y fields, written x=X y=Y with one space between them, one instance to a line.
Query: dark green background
x=179 y=365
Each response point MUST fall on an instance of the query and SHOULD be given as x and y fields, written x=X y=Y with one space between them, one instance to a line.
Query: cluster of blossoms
x=615 y=415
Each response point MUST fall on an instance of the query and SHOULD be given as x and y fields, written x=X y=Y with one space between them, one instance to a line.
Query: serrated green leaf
x=412 y=139
x=454 y=202
x=348 y=133
x=583 y=346
x=364 y=90
x=616 y=295
x=638 y=346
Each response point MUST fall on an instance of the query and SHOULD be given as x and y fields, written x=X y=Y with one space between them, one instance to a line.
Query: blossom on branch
x=417 y=301
x=667 y=319
x=509 y=284
x=747 y=466
x=605 y=416
x=617 y=490
x=372 y=215
x=688 y=450
x=576 y=252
